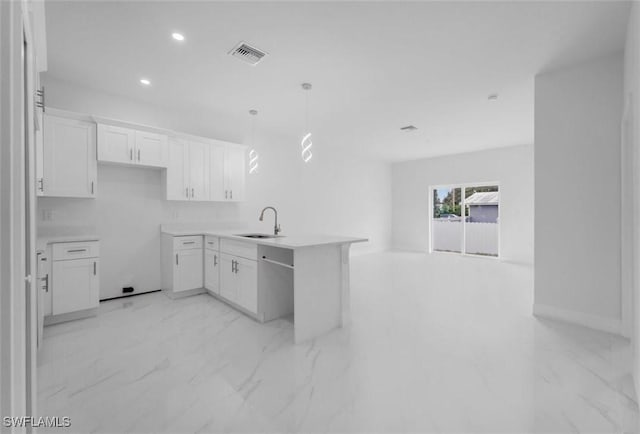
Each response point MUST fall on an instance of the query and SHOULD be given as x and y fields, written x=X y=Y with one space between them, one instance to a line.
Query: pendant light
x=306 y=143
x=253 y=154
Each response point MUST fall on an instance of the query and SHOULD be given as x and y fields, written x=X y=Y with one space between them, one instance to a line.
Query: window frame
x=463 y=248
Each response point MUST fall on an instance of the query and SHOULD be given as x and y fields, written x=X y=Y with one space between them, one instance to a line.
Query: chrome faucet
x=276 y=227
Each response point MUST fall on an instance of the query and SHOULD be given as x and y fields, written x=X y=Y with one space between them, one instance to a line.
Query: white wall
x=577 y=192
x=334 y=193
x=632 y=185
x=512 y=167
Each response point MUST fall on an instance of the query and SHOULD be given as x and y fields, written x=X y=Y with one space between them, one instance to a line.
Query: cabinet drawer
x=76 y=250
x=189 y=242
x=211 y=242
x=239 y=248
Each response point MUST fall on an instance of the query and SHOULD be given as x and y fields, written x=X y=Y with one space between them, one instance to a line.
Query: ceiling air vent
x=247 y=53
x=408 y=128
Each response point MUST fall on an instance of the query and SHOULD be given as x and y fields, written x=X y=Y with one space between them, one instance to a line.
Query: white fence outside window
x=481 y=238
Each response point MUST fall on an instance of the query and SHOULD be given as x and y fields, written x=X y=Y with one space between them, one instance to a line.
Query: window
x=465 y=219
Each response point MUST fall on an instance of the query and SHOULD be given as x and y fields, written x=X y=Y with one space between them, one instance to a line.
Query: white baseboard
x=595 y=322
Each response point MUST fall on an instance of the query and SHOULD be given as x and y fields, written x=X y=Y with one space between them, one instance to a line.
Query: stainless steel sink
x=259 y=236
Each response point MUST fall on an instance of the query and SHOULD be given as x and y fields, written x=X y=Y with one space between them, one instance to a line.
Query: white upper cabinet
x=227 y=172
x=69 y=166
x=235 y=173
x=176 y=176
x=152 y=149
x=187 y=174
x=217 y=172
x=118 y=144
x=198 y=168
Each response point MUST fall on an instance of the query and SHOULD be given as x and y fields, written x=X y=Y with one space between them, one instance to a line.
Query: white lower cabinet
x=226 y=268
x=75 y=285
x=189 y=269
x=75 y=278
x=212 y=270
x=239 y=281
x=228 y=281
x=239 y=274
x=182 y=264
x=247 y=276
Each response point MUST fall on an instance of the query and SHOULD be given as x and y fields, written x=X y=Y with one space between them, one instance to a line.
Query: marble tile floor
x=437 y=343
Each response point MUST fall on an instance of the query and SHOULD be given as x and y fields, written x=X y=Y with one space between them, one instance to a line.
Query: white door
x=151 y=149
x=212 y=270
x=116 y=144
x=177 y=171
x=29 y=234
x=247 y=275
x=75 y=285
x=70 y=167
x=228 y=280
x=216 y=173
x=189 y=270
x=235 y=172
x=198 y=171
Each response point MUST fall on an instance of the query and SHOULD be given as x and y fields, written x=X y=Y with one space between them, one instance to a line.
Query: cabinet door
x=151 y=149
x=235 y=172
x=69 y=163
x=177 y=171
x=212 y=270
x=75 y=285
x=228 y=280
x=189 y=270
x=247 y=276
x=116 y=144
x=216 y=173
x=198 y=171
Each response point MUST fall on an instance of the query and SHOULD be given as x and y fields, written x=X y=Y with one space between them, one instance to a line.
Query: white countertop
x=294 y=241
x=41 y=242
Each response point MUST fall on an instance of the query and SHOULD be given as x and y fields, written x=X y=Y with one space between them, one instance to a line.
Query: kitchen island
x=266 y=278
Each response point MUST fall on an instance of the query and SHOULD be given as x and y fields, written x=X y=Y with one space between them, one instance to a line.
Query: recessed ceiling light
x=145 y=82
x=177 y=36
x=493 y=97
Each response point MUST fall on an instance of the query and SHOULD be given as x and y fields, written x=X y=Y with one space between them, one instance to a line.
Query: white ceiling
x=375 y=66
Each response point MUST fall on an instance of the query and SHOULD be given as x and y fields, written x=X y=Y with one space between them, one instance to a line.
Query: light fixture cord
x=253 y=132
x=307 y=110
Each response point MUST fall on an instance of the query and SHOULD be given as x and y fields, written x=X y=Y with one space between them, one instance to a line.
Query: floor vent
x=247 y=53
